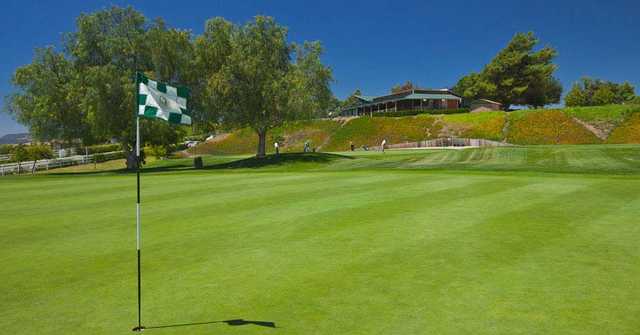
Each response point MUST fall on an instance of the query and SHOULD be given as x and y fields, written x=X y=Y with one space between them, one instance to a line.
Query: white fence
x=46 y=164
x=445 y=142
x=451 y=142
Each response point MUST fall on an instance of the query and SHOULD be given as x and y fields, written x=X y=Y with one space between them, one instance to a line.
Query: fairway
x=366 y=244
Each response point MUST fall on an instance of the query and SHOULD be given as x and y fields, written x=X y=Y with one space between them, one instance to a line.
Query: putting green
x=372 y=244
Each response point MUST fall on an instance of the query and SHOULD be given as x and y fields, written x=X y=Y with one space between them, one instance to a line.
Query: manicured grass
x=611 y=113
x=406 y=242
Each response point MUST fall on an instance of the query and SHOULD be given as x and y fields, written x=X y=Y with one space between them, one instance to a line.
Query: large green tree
x=86 y=91
x=239 y=75
x=517 y=75
x=47 y=99
x=266 y=81
x=594 y=92
x=211 y=52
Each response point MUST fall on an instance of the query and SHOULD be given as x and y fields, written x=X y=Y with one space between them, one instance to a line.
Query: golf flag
x=162 y=101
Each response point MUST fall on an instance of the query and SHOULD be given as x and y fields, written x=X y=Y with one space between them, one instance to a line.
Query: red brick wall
x=453 y=104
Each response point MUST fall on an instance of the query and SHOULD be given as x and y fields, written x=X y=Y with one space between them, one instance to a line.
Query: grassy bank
x=576 y=125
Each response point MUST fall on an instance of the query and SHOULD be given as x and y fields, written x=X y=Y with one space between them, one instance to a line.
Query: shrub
x=39 y=151
x=158 y=151
x=291 y=136
x=19 y=153
x=627 y=132
x=371 y=131
x=5 y=149
x=547 y=127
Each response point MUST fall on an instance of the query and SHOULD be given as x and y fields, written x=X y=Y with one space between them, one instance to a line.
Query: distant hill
x=15 y=138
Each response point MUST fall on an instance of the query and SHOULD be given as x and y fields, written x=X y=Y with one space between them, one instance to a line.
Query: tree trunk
x=132 y=160
x=130 y=155
x=262 y=142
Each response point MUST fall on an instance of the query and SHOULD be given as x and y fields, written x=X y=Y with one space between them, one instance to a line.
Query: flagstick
x=138 y=228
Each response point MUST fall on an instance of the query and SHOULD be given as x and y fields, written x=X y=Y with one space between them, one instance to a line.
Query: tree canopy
x=266 y=81
x=404 y=87
x=594 y=92
x=516 y=75
x=247 y=75
x=352 y=99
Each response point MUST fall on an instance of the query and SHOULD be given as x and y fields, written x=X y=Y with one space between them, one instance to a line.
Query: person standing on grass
x=384 y=142
x=277 y=147
x=351 y=145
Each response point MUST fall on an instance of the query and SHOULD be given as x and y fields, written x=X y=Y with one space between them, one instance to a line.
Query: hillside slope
x=619 y=124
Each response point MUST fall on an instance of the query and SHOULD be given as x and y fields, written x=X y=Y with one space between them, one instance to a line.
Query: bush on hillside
x=371 y=131
x=418 y=112
x=487 y=125
x=627 y=132
x=547 y=127
x=290 y=136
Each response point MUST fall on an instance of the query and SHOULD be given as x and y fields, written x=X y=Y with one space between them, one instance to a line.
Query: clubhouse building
x=415 y=99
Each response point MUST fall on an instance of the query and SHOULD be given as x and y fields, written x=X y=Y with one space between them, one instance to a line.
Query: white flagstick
x=138 y=227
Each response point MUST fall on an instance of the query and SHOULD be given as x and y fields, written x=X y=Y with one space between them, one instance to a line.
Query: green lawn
x=525 y=240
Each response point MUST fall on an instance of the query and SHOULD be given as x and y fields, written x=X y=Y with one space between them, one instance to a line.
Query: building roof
x=402 y=95
x=432 y=94
x=367 y=98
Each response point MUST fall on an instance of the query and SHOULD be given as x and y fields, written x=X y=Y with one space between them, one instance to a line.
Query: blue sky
x=373 y=45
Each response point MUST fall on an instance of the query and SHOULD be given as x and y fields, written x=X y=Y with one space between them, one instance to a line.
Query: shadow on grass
x=245 y=163
x=234 y=322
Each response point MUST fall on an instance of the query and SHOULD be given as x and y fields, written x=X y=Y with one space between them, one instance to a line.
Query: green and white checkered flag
x=162 y=101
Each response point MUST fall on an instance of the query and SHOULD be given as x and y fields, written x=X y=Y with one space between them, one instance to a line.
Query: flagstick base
x=138 y=329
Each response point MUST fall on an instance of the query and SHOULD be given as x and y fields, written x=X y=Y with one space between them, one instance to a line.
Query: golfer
x=384 y=142
x=277 y=147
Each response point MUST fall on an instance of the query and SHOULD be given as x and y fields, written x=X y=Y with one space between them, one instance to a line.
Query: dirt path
x=601 y=134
